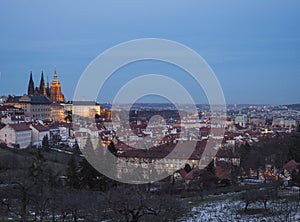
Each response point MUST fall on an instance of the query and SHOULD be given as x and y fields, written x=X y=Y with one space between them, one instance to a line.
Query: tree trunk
x=63 y=217
x=265 y=204
x=53 y=216
x=75 y=216
x=246 y=206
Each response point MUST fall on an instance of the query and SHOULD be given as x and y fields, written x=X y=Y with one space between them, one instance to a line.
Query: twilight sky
x=252 y=46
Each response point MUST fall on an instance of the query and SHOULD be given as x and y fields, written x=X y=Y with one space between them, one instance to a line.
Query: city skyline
x=253 y=48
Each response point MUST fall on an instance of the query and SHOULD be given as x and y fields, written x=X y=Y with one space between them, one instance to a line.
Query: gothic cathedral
x=53 y=91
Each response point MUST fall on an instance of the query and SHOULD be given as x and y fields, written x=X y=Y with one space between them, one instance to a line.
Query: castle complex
x=53 y=91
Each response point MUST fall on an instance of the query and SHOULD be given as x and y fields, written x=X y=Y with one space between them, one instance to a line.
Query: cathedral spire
x=55 y=78
x=55 y=74
x=30 y=90
x=42 y=89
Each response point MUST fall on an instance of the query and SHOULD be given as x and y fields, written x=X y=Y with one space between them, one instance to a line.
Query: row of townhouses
x=23 y=135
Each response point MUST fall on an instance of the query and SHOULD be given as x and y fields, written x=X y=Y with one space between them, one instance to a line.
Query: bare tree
x=261 y=195
x=132 y=203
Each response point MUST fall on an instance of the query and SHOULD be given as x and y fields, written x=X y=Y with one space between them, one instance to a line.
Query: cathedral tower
x=42 y=89
x=30 y=90
x=55 y=90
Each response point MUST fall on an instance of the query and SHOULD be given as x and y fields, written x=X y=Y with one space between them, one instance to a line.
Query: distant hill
x=294 y=106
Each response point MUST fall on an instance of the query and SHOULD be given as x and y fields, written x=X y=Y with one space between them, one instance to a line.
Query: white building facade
x=16 y=135
x=38 y=133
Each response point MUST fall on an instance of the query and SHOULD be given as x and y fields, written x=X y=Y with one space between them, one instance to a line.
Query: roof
x=13 y=99
x=191 y=175
x=84 y=103
x=182 y=172
x=20 y=127
x=8 y=107
x=164 y=150
x=239 y=118
x=291 y=165
x=40 y=128
x=40 y=100
x=57 y=105
x=194 y=173
x=54 y=125
x=29 y=99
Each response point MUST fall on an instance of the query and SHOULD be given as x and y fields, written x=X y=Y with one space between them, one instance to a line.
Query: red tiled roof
x=291 y=165
x=122 y=146
x=40 y=128
x=205 y=130
x=164 y=150
x=182 y=173
x=55 y=125
x=20 y=127
x=191 y=174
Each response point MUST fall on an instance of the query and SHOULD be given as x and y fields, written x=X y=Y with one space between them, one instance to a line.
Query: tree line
x=34 y=189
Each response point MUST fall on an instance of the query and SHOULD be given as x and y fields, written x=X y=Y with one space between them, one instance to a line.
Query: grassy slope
x=18 y=159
